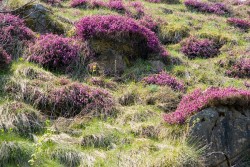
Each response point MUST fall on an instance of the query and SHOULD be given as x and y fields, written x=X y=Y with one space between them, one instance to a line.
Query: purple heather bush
x=13 y=33
x=118 y=27
x=247 y=84
x=5 y=58
x=216 y=8
x=203 y=48
x=98 y=3
x=199 y=100
x=52 y=2
x=88 y=3
x=154 y=1
x=164 y=1
x=78 y=3
x=76 y=98
x=135 y=9
x=243 y=24
x=240 y=68
x=116 y=5
x=163 y=79
x=55 y=52
x=148 y=22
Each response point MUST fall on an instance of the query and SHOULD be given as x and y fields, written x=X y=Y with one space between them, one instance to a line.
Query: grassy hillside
x=39 y=126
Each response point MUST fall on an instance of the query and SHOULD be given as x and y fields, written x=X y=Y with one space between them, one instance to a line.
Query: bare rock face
x=114 y=56
x=111 y=63
x=226 y=131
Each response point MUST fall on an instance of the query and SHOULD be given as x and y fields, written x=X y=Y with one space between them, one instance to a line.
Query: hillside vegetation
x=114 y=82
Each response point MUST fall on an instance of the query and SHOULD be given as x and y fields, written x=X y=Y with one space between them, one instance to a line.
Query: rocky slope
x=124 y=83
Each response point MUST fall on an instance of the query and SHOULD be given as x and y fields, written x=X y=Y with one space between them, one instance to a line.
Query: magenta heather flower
x=247 y=84
x=116 y=5
x=117 y=27
x=243 y=24
x=79 y=3
x=164 y=79
x=148 y=22
x=74 y=99
x=98 y=3
x=88 y=3
x=52 y=2
x=216 y=8
x=13 y=33
x=54 y=52
x=240 y=68
x=5 y=58
x=135 y=9
x=154 y=1
x=198 y=100
x=203 y=48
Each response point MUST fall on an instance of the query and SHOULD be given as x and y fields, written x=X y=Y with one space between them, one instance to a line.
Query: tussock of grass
x=72 y=157
x=15 y=153
x=20 y=118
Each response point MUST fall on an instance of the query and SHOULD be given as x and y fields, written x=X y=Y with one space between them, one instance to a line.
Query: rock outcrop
x=40 y=19
x=226 y=132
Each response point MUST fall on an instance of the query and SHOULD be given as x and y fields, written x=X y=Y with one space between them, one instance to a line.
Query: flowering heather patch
x=116 y=5
x=88 y=3
x=247 y=84
x=5 y=58
x=13 y=33
x=154 y=1
x=198 y=100
x=240 y=68
x=74 y=99
x=148 y=22
x=112 y=4
x=78 y=3
x=203 y=48
x=117 y=27
x=135 y=9
x=164 y=1
x=216 y=8
x=52 y=2
x=243 y=24
x=164 y=79
x=54 y=52
x=98 y=3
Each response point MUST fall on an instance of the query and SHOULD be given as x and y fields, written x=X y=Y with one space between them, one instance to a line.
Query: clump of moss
x=173 y=33
x=220 y=38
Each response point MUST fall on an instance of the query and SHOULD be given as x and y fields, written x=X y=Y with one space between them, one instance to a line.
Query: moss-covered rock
x=40 y=19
